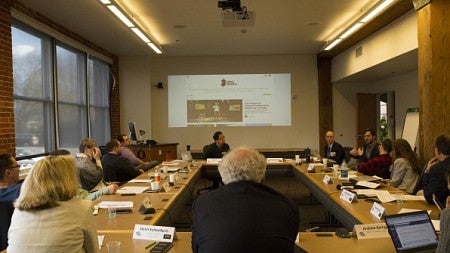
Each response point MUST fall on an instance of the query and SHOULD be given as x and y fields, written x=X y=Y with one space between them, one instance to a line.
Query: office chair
x=216 y=181
x=6 y=212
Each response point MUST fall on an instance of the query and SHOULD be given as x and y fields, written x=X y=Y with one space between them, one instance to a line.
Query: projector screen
x=230 y=100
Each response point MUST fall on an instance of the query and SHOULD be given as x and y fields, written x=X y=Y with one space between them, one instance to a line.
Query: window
x=81 y=92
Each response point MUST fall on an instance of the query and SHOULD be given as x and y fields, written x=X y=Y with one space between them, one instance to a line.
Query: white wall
x=397 y=38
x=303 y=132
x=135 y=93
x=406 y=91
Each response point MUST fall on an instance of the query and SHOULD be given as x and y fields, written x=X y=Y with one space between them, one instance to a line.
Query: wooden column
x=433 y=27
x=325 y=99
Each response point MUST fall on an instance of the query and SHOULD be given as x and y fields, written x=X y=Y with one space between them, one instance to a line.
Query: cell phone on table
x=161 y=247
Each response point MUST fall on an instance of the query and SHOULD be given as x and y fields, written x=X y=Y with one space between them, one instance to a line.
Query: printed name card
x=311 y=167
x=348 y=196
x=274 y=160
x=326 y=179
x=377 y=210
x=213 y=160
x=370 y=231
x=153 y=233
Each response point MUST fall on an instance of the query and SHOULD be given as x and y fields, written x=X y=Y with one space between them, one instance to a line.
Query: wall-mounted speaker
x=159 y=85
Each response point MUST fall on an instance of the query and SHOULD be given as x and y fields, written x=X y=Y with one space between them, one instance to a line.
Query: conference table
x=308 y=241
x=350 y=214
x=168 y=204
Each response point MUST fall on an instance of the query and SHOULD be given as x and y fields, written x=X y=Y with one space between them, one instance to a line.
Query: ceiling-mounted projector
x=234 y=5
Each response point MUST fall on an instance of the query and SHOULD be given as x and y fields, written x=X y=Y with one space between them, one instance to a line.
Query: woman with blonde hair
x=48 y=215
x=406 y=169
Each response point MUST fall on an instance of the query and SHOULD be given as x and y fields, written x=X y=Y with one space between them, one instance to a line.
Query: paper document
x=132 y=189
x=367 y=184
x=140 y=181
x=170 y=163
x=100 y=240
x=413 y=197
x=116 y=204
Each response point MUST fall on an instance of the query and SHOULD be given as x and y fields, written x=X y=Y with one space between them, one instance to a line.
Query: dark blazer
x=244 y=217
x=435 y=182
x=117 y=168
x=214 y=151
x=336 y=153
x=374 y=153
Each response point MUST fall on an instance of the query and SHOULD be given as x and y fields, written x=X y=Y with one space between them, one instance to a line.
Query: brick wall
x=6 y=81
x=7 y=143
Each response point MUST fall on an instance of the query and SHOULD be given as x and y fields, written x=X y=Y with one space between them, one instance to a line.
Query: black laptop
x=412 y=232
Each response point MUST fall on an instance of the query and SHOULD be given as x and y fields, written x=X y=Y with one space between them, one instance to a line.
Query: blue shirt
x=10 y=193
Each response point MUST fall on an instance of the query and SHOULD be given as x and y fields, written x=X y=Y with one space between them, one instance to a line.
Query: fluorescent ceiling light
x=351 y=30
x=140 y=34
x=105 y=1
x=120 y=15
x=376 y=11
x=155 y=48
x=334 y=43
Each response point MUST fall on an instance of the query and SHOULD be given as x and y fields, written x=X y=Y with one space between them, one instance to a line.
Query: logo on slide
x=224 y=83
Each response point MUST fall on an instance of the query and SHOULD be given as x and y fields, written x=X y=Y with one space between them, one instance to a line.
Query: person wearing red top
x=379 y=166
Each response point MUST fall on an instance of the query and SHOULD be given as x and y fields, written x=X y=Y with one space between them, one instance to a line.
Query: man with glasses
x=218 y=148
x=9 y=192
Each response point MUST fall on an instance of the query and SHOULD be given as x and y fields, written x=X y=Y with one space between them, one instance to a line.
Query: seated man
x=117 y=168
x=89 y=165
x=333 y=150
x=9 y=192
x=434 y=178
x=126 y=152
x=218 y=148
x=370 y=148
x=244 y=215
x=82 y=193
x=379 y=166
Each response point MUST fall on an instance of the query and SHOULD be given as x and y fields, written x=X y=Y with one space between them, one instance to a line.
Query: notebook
x=412 y=232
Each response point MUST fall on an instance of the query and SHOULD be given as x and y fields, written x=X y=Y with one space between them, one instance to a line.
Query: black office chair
x=347 y=156
x=216 y=181
x=6 y=211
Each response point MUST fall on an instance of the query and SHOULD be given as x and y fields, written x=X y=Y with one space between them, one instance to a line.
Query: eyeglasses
x=15 y=166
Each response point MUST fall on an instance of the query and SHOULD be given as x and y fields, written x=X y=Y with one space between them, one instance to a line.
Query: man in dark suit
x=333 y=150
x=218 y=148
x=370 y=148
x=117 y=168
x=244 y=215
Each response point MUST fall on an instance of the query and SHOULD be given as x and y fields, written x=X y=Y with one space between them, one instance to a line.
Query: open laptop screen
x=412 y=232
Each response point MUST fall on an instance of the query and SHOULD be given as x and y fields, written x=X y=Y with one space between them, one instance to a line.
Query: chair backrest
x=6 y=211
x=418 y=186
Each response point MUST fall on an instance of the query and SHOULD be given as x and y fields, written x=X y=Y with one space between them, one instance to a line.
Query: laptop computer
x=412 y=232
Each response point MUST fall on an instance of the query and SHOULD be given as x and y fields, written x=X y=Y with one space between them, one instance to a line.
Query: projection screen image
x=231 y=100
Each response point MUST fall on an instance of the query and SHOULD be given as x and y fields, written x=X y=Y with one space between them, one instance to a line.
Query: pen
x=150 y=244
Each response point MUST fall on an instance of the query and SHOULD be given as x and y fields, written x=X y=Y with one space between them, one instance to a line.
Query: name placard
x=153 y=233
x=311 y=168
x=274 y=160
x=326 y=179
x=370 y=231
x=377 y=210
x=213 y=160
x=348 y=196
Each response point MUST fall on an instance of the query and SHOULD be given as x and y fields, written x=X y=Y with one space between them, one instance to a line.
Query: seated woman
x=378 y=166
x=48 y=215
x=406 y=168
x=444 y=239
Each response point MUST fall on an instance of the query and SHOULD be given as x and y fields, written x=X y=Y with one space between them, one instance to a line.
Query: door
x=367 y=114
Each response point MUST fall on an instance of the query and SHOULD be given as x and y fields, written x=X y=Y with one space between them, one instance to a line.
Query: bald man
x=333 y=150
